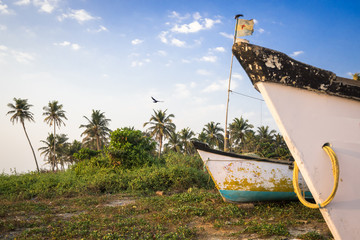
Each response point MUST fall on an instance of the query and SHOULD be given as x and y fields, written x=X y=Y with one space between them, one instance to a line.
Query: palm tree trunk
x=54 y=143
x=32 y=149
x=97 y=143
x=160 y=145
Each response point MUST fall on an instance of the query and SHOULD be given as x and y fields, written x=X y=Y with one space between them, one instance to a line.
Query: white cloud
x=256 y=21
x=230 y=36
x=161 y=53
x=136 y=41
x=187 y=28
x=19 y=56
x=218 y=49
x=181 y=91
x=64 y=43
x=216 y=86
x=3 y=48
x=22 y=2
x=46 y=6
x=196 y=16
x=4 y=8
x=221 y=85
x=136 y=64
x=296 y=53
x=203 y=72
x=177 y=42
x=178 y=17
x=3 y=27
x=168 y=39
x=237 y=76
x=100 y=29
x=208 y=59
x=195 y=26
x=22 y=57
x=80 y=15
x=163 y=36
x=261 y=30
x=73 y=46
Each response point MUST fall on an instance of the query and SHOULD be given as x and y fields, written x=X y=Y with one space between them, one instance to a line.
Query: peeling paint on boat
x=269 y=180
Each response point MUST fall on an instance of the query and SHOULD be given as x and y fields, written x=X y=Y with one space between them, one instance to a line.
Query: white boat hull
x=307 y=120
x=241 y=179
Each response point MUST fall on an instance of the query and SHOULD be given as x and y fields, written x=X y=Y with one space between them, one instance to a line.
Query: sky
x=114 y=55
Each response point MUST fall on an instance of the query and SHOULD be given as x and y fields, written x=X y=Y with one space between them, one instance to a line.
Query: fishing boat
x=311 y=107
x=243 y=178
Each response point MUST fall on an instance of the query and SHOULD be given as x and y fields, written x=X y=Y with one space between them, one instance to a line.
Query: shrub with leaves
x=130 y=148
x=174 y=158
x=85 y=153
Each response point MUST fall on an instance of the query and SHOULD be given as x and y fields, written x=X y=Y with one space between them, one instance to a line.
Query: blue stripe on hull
x=255 y=196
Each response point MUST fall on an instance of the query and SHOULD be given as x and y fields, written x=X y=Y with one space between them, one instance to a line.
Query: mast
x=226 y=137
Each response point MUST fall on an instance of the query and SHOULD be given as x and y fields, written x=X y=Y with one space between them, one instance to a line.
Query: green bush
x=98 y=175
x=85 y=153
x=174 y=158
x=168 y=178
x=129 y=148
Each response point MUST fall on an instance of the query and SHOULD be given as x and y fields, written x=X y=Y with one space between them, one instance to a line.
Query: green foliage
x=168 y=178
x=172 y=158
x=97 y=175
x=193 y=214
x=267 y=229
x=129 y=148
x=312 y=236
x=85 y=153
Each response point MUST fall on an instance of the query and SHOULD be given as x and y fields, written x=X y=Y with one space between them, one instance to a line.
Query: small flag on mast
x=244 y=27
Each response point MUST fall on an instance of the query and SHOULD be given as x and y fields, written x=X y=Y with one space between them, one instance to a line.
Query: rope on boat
x=336 y=173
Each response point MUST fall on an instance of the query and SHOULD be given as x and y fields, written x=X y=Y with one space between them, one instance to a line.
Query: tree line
x=57 y=151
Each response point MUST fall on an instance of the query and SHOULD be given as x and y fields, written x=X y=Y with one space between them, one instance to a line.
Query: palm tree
x=186 y=135
x=174 y=142
x=238 y=128
x=97 y=131
x=202 y=137
x=61 y=149
x=48 y=150
x=21 y=113
x=213 y=134
x=54 y=115
x=264 y=134
x=161 y=126
x=72 y=148
x=250 y=142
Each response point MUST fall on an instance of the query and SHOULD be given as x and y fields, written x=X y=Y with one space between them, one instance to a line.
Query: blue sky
x=113 y=56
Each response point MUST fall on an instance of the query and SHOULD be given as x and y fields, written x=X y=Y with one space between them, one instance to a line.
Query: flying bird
x=155 y=101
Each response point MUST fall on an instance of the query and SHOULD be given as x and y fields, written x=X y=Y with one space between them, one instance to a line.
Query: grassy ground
x=195 y=214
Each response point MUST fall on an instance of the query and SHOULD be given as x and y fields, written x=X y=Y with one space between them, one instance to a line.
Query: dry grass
x=196 y=214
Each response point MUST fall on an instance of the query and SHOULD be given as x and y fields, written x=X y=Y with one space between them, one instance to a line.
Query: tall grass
x=177 y=173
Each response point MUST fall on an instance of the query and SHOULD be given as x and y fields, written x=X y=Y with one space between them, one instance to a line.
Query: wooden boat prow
x=311 y=107
x=264 y=64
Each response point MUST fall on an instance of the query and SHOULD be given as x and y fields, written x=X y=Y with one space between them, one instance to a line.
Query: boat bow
x=264 y=64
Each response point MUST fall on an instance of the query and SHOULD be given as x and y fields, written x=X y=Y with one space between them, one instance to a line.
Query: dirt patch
x=120 y=202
